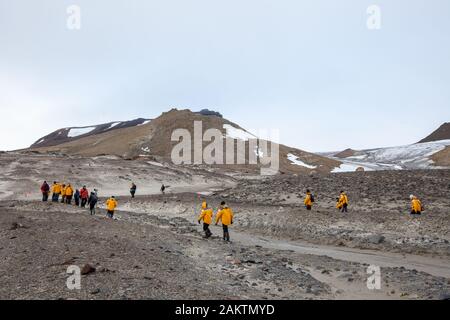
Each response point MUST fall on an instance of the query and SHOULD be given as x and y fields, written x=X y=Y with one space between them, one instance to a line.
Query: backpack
x=312 y=198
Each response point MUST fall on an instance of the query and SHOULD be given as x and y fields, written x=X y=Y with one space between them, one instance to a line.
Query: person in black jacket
x=92 y=201
x=133 y=189
x=76 y=197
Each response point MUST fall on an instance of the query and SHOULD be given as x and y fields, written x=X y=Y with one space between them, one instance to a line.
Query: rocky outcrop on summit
x=441 y=133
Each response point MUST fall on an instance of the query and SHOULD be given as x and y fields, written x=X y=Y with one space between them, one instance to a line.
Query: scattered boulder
x=95 y=291
x=313 y=173
x=16 y=225
x=360 y=169
x=376 y=239
x=87 y=269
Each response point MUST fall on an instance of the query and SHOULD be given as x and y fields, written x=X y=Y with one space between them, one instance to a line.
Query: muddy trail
x=163 y=256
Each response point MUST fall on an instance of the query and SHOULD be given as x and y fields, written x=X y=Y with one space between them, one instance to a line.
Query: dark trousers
x=44 y=196
x=77 y=201
x=344 y=208
x=206 y=229
x=55 y=197
x=132 y=193
x=415 y=212
x=308 y=207
x=110 y=213
x=83 y=202
x=63 y=199
x=68 y=199
x=92 y=208
x=226 y=234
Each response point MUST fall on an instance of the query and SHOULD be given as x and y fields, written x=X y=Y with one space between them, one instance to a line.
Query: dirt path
x=435 y=266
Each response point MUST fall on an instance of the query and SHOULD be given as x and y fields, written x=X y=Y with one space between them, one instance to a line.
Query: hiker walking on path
x=76 y=197
x=416 y=205
x=84 y=195
x=45 y=190
x=133 y=190
x=56 y=190
x=69 y=194
x=92 y=201
x=111 y=205
x=63 y=193
x=225 y=215
x=342 y=203
x=206 y=216
x=309 y=199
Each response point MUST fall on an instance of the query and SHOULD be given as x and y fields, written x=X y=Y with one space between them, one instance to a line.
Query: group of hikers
x=342 y=202
x=81 y=197
x=224 y=215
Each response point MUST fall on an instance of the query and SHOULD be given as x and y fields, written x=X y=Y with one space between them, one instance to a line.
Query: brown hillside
x=62 y=135
x=442 y=158
x=346 y=153
x=154 y=139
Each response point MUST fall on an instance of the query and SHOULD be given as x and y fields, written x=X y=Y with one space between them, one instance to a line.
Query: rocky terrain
x=144 y=256
x=155 y=250
x=21 y=174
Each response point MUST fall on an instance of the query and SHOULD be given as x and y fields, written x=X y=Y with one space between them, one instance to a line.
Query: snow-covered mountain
x=74 y=133
x=413 y=156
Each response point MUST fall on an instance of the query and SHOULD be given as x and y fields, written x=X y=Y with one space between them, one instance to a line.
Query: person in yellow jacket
x=111 y=205
x=206 y=216
x=225 y=215
x=309 y=199
x=416 y=205
x=56 y=191
x=63 y=193
x=69 y=194
x=342 y=202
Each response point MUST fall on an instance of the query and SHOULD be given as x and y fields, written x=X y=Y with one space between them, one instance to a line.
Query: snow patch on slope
x=295 y=160
x=235 y=133
x=75 y=132
x=349 y=167
x=112 y=125
x=145 y=122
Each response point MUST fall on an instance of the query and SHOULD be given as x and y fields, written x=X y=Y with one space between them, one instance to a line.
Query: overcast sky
x=311 y=69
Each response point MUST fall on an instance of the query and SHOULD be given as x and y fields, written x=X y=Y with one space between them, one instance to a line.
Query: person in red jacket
x=45 y=190
x=84 y=196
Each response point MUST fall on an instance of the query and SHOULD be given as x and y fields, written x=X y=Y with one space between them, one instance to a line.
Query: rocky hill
x=441 y=133
x=154 y=139
x=74 y=133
